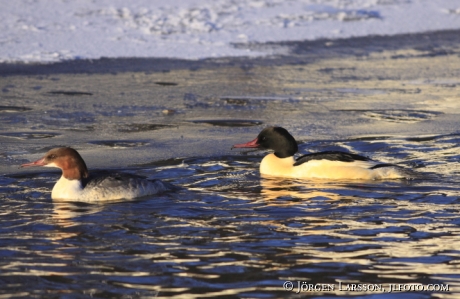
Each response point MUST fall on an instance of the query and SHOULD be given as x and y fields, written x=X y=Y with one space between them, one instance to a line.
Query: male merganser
x=76 y=183
x=323 y=165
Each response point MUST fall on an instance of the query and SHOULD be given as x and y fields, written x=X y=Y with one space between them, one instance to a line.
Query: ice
x=42 y=31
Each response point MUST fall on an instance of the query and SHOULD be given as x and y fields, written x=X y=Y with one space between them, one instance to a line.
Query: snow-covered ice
x=55 y=30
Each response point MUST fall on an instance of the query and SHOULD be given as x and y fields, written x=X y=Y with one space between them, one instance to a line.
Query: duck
x=321 y=165
x=77 y=184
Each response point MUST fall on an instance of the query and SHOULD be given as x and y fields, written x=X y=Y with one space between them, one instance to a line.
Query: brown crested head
x=66 y=158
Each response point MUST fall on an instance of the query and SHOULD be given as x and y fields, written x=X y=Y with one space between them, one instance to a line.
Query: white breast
x=67 y=189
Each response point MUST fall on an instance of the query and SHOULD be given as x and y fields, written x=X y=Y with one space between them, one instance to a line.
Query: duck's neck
x=75 y=172
x=67 y=189
x=272 y=165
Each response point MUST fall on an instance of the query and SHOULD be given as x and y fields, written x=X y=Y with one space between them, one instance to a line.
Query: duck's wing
x=121 y=182
x=336 y=156
x=359 y=163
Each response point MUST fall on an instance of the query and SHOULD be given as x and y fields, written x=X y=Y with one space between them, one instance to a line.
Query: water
x=230 y=233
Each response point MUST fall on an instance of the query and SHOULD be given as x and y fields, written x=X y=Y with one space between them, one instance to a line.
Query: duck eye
x=52 y=156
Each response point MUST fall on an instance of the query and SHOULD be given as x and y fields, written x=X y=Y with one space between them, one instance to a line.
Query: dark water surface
x=230 y=233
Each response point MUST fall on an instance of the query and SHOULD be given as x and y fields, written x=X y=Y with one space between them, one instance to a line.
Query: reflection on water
x=232 y=233
x=274 y=190
x=229 y=232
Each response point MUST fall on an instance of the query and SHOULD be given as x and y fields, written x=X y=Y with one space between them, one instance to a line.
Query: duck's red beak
x=40 y=162
x=251 y=144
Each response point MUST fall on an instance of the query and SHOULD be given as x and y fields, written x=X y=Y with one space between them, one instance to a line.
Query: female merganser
x=76 y=183
x=323 y=165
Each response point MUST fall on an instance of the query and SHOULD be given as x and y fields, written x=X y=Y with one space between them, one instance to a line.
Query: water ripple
x=231 y=233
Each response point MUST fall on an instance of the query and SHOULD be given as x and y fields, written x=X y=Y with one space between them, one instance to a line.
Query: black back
x=331 y=156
